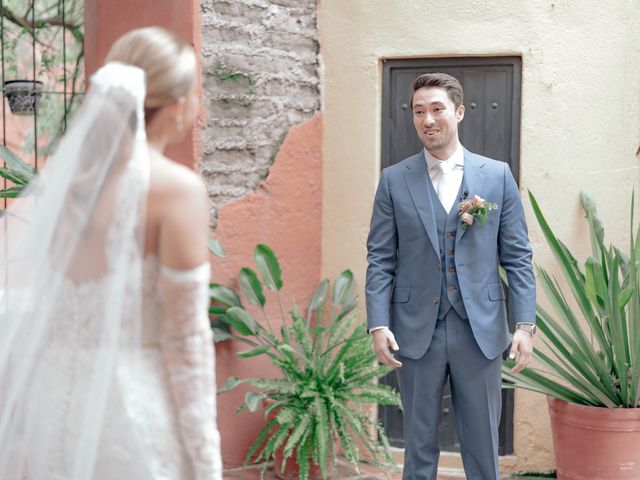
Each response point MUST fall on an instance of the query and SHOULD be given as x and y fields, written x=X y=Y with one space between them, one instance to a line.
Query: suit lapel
x=472 y=183
x=417 y=180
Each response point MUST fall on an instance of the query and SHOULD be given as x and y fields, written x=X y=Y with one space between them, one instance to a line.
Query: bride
x=106 y=355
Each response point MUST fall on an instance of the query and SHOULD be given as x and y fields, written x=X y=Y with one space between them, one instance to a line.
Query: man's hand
x=383 y=339
x=521 y=350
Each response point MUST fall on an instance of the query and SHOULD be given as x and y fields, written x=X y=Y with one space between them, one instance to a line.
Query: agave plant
x=594 y=350
x=17 y=171
x=328 y=372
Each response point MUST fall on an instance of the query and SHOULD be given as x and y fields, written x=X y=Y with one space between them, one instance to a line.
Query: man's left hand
x=521 y=350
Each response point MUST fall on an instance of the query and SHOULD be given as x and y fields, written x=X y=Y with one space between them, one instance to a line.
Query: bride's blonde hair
x=168 y=61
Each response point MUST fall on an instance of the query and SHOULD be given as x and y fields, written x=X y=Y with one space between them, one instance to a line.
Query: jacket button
x=438 y=266
x=450 y=253
x=436 y=299
x=451 y=234
x=452 y=289
x=452 y=270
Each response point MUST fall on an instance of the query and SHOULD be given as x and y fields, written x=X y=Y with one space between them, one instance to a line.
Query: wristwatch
x=530 y=328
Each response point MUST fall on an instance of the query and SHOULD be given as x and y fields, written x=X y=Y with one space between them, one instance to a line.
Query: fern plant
x=329 y=372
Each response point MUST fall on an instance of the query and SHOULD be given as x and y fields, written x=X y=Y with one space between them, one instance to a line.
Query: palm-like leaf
x=598 y=366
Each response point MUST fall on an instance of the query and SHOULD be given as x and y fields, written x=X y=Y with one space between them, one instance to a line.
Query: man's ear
x=460 y=113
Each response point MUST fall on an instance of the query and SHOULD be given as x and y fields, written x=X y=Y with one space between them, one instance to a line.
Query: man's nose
x=428 y=119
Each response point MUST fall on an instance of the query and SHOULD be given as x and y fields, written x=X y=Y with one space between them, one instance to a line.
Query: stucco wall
x=260 y=67
x=580 y=121
x=285 y=213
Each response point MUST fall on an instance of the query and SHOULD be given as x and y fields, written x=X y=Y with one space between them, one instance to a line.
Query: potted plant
x=591 y=364
x=322 y=399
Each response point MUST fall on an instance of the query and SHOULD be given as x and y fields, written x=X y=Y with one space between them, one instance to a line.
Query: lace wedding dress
x=106 y=356
x=159 y=420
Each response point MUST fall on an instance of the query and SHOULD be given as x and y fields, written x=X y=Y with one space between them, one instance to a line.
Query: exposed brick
x=260 y=64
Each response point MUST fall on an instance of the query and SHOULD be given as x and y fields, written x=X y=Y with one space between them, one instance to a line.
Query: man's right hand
x=383 y=339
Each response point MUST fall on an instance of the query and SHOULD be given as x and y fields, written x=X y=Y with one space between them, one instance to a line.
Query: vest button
x=450 y=253
x=436 y=299
x=452 y=289
x=452 y=270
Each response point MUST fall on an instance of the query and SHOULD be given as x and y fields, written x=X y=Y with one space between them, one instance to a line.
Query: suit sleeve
x=515 y=253
x=382 y=246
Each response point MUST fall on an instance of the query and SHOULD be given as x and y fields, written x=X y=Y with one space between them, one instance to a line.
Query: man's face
x=436 y=120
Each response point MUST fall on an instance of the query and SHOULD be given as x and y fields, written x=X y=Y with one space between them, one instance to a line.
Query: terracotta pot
x=595 y=443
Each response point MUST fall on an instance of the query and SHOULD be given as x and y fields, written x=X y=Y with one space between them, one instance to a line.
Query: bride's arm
x=187 y=346
x=187 y=342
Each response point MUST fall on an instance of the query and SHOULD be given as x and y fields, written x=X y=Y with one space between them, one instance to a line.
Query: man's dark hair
x=442 y=80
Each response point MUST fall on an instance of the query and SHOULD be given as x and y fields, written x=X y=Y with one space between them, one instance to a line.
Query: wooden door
x=491 y=127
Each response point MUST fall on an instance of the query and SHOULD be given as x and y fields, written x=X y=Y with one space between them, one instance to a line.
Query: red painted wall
x=285 y=212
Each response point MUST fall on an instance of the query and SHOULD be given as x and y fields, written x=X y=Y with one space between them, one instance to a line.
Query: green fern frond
x=302 y=335
x=296 y=435
x=260 y=440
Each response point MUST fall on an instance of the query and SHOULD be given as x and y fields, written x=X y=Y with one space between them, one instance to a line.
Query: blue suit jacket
x=403 y=276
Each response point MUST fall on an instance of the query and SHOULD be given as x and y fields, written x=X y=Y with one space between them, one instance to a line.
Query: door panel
x=491 y=127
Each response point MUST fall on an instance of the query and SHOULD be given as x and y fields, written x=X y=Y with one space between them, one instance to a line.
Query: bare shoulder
x=174 y=182
x=179 y=207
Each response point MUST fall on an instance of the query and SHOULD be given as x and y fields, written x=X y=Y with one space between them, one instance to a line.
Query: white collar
x=457 y=158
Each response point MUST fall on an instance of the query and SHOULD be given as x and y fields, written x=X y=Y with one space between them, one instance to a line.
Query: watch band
x=530 y=328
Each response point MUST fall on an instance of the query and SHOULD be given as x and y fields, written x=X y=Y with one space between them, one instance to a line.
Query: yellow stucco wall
x=580 y=121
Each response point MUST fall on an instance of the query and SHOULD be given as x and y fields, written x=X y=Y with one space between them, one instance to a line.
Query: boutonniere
x=476 y=208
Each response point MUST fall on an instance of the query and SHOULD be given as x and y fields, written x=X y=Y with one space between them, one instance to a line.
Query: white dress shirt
x=446 y=176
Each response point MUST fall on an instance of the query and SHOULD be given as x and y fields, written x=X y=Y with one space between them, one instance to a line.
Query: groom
x=433 y=289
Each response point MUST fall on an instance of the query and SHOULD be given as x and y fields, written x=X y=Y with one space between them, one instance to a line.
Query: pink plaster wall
x=105 y=21
x=285 y=213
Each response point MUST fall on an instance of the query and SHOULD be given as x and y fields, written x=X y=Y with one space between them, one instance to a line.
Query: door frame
x=429 y=64
x=467 y=61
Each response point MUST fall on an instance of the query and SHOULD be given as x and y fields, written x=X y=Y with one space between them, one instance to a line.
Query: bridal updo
x=168 y=61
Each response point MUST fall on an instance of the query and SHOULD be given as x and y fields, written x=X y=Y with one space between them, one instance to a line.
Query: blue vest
x=447 y=224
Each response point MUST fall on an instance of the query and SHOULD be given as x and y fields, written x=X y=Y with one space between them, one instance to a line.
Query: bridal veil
x=71 y=258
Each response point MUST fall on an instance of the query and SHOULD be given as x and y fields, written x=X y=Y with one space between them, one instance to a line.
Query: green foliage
x=215 y=247
x=328 y=372
x=16 y=171
x=41 y=21
x=599 y=366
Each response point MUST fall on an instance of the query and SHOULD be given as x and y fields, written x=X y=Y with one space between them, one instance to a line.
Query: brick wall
x=260 y=67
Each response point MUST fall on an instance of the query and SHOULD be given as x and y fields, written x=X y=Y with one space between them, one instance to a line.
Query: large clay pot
x=595 y=443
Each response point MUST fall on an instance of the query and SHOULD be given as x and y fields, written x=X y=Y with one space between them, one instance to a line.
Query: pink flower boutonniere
x=474 y=209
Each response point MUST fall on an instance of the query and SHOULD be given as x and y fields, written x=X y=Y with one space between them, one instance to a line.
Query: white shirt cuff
x=377 y=328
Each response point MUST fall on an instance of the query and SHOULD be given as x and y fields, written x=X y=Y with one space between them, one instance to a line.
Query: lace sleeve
x=187 y=345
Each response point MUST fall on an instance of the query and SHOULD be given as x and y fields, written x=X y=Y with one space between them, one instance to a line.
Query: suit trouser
x=475 y=390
